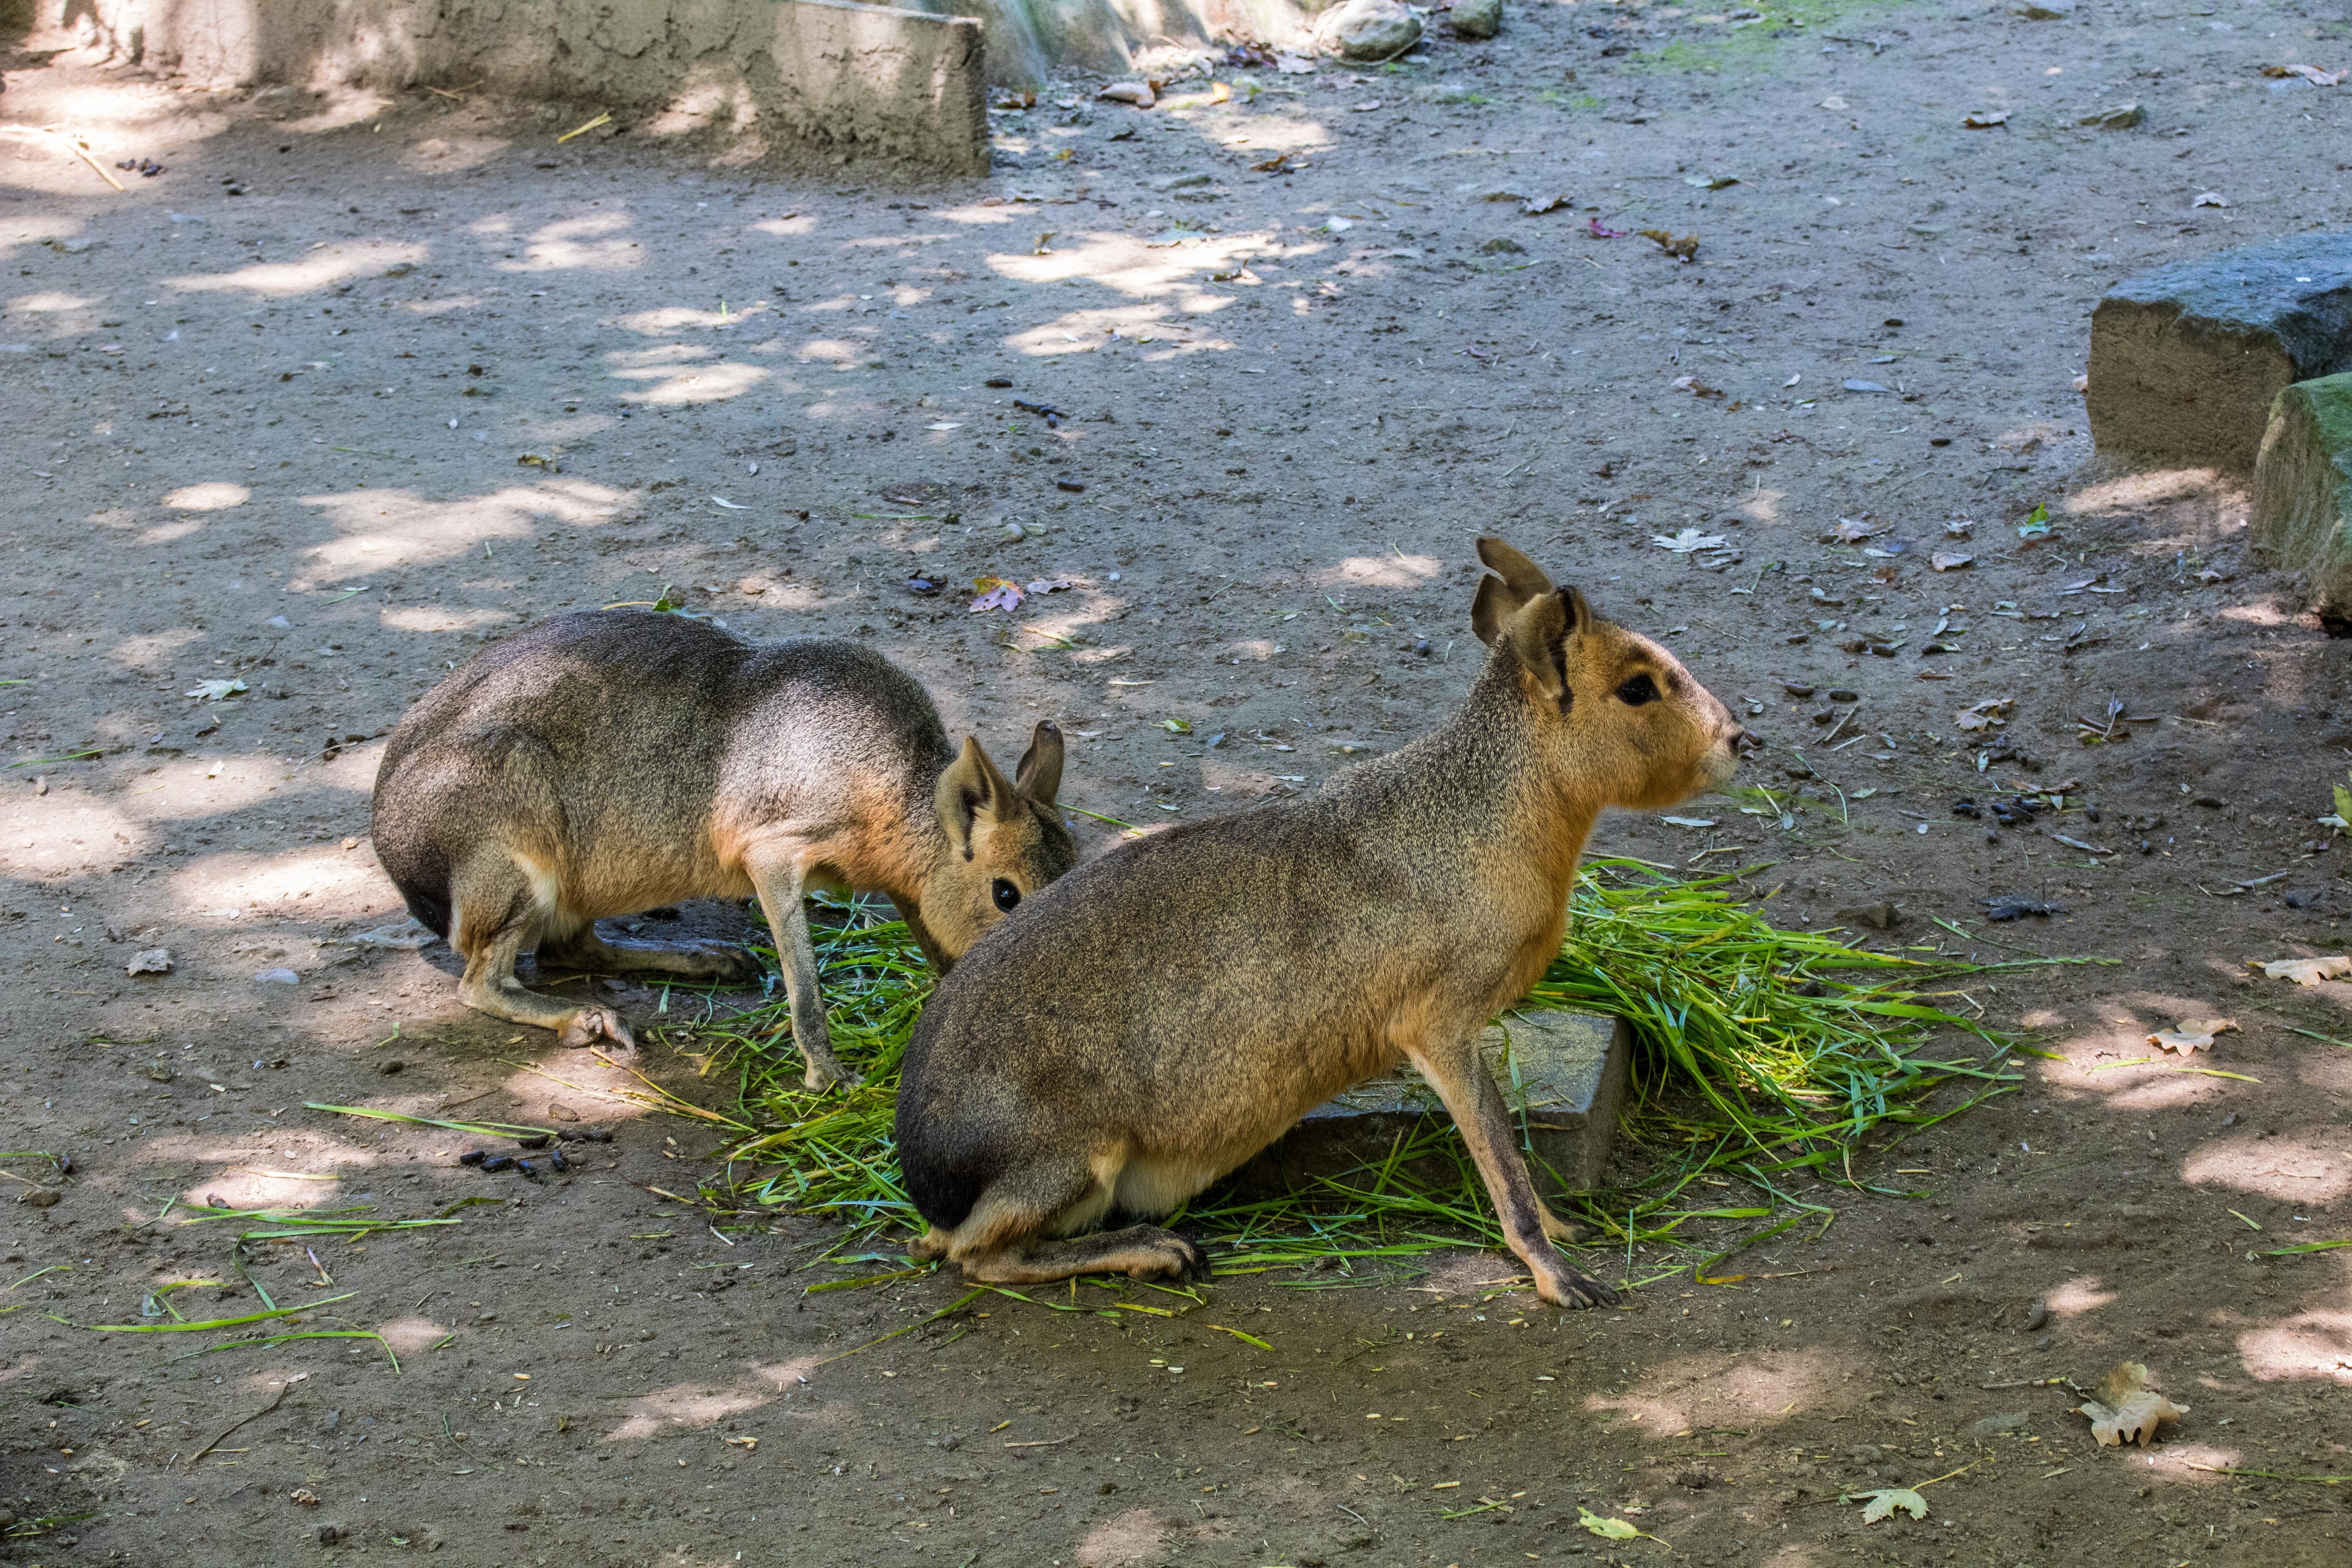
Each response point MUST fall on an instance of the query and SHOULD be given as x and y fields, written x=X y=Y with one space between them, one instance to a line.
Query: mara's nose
x=1744 y=744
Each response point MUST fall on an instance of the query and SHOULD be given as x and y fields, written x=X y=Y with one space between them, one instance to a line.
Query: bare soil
x=357 y=384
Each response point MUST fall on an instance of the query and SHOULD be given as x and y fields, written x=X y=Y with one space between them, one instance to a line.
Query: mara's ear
x=1524 y=578
x=969 y=786
x=1039 y=776
x=1539 y=636
x=1492 y=607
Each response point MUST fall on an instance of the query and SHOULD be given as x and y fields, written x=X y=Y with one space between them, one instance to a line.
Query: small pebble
x=2038 y=1318
x=1839 y=694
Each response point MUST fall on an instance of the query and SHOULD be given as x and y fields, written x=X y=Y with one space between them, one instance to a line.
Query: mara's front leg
x=779 y=881
x=1459 y=1075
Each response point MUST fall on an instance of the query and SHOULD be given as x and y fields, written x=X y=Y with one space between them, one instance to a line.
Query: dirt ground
x=357 y=384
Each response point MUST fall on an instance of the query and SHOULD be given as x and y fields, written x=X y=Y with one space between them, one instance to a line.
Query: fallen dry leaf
x=1688 y=540
x=1985 y=120
x=2211 y=199
x=996 y=594
x=1948 y=560
x=1848 y=532
x=2193 y=1034
x=1695 y=386
x=1138 y=93
x=2126 y=1409
x=1683 y=249
x=1991 y=712
x=1886 y=1501
x=2311 y=74
x=2304 y=971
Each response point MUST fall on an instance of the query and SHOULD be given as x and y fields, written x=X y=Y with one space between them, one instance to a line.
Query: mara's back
x=632 y=741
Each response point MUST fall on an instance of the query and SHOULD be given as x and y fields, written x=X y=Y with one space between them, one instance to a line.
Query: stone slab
x=847 y=82
x=2302 y=491
x=2186 y=360
x=1563 y=1075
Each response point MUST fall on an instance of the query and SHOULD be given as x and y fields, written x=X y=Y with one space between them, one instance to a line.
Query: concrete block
x=905 y=84
x=1563 y=1075
x=2302 y=491
x=2186 y=361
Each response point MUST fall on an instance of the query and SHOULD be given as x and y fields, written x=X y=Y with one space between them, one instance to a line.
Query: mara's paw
x=1167 y=1256
x=1571 y=1288
x=823 y=1074
x=723 y=962
x=596 y=1026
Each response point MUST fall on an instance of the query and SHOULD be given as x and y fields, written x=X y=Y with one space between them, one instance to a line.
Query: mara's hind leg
x=499 y=911
x=1140 y=1251
x=582 y=948
x=1018 y=1233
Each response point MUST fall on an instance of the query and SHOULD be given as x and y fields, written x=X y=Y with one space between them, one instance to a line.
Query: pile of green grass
x=1763 y=1055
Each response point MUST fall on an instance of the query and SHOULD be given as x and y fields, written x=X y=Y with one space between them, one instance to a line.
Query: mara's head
x=1630 y=724
x=1004 y=839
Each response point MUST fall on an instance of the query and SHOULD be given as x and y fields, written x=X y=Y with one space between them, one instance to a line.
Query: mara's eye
x=1006 y=894
x=1634 y=690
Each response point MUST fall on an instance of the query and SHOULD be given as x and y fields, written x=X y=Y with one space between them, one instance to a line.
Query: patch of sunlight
x=437 y=154
x=593 y=244
x=62 y=831
x=2135 y=492
x=1389 y=570
x=679 y=374
x=786 y=227
x=323 y=269
x=2313 y=1345
x=432 y=618
x=1084 y=330
x=1125 y=263
x=170 y=533
x=50 y=300
x=2259 y=613
x=831 y=350
x=149 y=653
x=414 y=530
x=352 y=107
x=413 y=1336
x=1760 y=505
x=212 y=495
x=2193 y=1463
x=2079 y=1297
x=1725 y=1389
x=685 y=1406
x=324 y=881
x=2290 y=1169
x=678 y=318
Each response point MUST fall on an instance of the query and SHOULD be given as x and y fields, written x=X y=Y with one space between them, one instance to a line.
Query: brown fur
x=1160 y=1016
x=610 y=762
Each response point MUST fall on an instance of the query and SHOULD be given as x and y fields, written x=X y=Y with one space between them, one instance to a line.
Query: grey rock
x=2114 y=117
x=1475 y=18
x=1373 y=29
x=408 y=936
x=1992 y=1425
x=1503 y=245
x=154 y=960
x=1183 y=182
x=2043 y=10
x=1562 y=1075
x=2302 y=491
x=2186 y=361
x=279 y=977
x=1445 y=92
